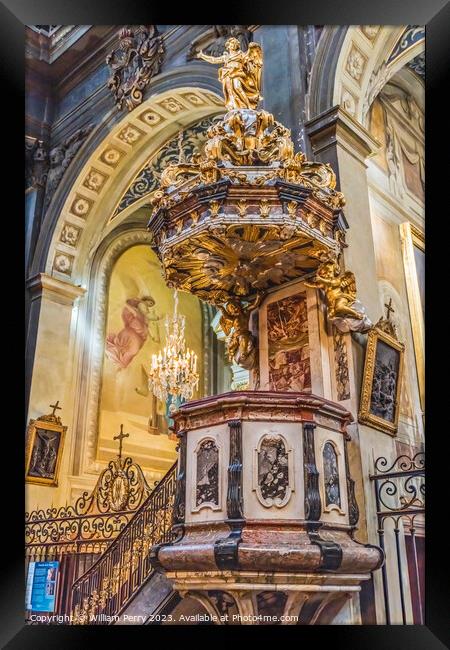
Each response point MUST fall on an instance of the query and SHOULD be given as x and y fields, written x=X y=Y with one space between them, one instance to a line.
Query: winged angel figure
x=339 y=289
x=240 y=75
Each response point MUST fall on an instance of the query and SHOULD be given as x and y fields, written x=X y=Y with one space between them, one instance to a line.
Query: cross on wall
x=120 y=436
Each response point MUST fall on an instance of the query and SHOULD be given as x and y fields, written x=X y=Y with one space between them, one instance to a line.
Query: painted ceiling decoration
x=185 y=144
x=412 y=35
x=417 y=65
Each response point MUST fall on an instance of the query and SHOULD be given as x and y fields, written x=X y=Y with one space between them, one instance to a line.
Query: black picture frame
x=435 y=14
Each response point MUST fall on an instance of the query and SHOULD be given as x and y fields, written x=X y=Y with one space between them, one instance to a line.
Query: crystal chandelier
x=174 y=370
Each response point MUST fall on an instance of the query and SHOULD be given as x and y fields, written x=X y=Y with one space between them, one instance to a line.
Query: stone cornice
x=262 y=405
x=42 y=283
x=336 y=126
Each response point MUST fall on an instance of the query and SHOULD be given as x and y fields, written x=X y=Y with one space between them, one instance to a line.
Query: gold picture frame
x=45 y=441
x=382 y=349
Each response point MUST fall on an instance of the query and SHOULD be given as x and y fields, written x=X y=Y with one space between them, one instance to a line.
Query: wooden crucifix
x=120 y=436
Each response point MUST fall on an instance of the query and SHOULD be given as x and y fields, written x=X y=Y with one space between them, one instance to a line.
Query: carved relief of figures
x=36 y=163
x=133 y=64
x=212 y=41
x=331 y=476
x=273 y=471
x=384 y=387
x=44 y=448
x=207 y=488
x=140 y=321
x=240 y=75
x=60 y=158
x=382 y=378
x=44 y=454
x=287 y=326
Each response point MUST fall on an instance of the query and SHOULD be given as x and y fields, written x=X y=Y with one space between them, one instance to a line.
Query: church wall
x=54 y=375
x=136 y=274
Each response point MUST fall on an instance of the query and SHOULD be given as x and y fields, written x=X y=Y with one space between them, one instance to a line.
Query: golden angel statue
x=340 y=290
x=241 y=343
x=240 y=75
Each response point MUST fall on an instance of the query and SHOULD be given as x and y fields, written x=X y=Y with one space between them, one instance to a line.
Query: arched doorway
x=94 y=227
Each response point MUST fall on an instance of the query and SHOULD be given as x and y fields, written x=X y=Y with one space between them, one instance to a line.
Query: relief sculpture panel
x=272 y=471
x=289 y=360
x=207 y=480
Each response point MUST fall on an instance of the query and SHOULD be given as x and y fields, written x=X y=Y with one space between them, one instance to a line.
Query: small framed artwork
x=382 y=378
x=45 y=439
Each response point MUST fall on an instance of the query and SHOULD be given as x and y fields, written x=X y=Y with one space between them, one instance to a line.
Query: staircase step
x=149 y=601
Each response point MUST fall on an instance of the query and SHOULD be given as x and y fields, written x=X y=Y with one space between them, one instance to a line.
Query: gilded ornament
x=339 y=289
x=292 y=208
x=240 y=75
x=264 y=208
x=242 y=207
x=214 y=207
x=241 y=343
x=253 y=183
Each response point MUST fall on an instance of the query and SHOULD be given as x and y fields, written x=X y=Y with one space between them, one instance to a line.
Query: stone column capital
x=44 y=285
x=337 y=127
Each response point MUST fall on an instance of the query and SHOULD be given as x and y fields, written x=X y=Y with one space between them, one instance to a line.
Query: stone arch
x=100 y=172
x=357 y=62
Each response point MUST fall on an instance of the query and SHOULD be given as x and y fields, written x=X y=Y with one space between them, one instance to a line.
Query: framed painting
x=382 y=378
x=45 y=440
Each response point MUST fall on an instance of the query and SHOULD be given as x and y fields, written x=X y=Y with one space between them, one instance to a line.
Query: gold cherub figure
x=240 y=75
x=339 y=288
x=241 y=343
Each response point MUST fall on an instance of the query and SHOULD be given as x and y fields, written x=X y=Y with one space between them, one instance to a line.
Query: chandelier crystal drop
x=173 y=370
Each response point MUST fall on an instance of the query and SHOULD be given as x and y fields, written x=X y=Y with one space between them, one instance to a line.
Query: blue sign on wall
x=41 y=586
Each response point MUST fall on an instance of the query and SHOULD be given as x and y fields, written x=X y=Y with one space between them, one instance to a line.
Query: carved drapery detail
x=137 y=59
x=313 y=506
x=235 y=508
x=179 y=506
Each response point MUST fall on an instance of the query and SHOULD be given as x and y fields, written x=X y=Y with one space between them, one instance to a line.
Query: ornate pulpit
x=265 y=509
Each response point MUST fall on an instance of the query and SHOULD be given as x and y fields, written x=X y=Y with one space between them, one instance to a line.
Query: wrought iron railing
x=112 y=581
x=76 y=535
x=400 y=499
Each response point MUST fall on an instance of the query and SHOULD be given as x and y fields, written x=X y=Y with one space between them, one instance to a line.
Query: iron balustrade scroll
x=76 y=535
x=99 y=596
x=400 y=498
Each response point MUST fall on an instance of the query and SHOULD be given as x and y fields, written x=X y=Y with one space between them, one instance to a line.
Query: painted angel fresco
x=140 y=321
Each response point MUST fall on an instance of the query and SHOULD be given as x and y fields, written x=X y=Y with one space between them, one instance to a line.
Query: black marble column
x=235 y=508
x=313 y=506
x=179 y=505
